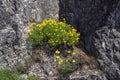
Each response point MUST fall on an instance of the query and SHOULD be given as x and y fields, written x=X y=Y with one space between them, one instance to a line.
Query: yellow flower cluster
x=59 y=59
x=55 y=32
x=57 y=52
x=73 y=60
x=70 y=52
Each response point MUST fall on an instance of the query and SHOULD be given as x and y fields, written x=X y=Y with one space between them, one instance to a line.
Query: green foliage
x=33 y=78
x=66 y=64
x=53 y=32
x=67 y=67
x=22 y=68
x=6 y=74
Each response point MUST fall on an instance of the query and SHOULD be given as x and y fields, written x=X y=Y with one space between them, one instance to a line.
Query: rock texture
x=99 y=24
x=44 y=68
x=15 y=16
x=97 y=20
x=88 y=69
x=47 y=69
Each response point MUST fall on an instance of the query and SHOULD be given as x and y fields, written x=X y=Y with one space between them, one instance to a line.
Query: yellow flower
x=30 y=32
x=64 y=20
x=56 y=30
x=33 y=24
x=74 y=30
x=66 y=60
x=55 y=60
x=64 y=41
x=57 y=57
x=73 y=60
x=77 y=39
x=78 y=34
x=73 y=53
x=57 y=52
x=68 y=51
x=59 y=62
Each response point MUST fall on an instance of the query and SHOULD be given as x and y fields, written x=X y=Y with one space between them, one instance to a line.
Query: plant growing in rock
x=30 y=78
x=56 y=34
x=7 y=74
x=68 y=56
x=67 y=67
x=53 y=32
x=66 y=62
x=33 y=78
x=22 y=68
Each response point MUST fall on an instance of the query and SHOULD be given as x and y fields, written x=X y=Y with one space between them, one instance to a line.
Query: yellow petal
x=68 y=51
x=57 y=52
x=73 y=60
x=59 y=62
x=57 y=57
x=74 y=53
x=66 y=60
x=55 y=60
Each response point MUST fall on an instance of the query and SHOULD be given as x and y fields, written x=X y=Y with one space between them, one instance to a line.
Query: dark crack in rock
x=99 y=24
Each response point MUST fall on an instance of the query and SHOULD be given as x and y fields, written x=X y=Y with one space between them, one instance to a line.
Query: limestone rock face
x=99 y=24
x=97 y=20
x=15 y=16
x=107 y=51
x=107 y=45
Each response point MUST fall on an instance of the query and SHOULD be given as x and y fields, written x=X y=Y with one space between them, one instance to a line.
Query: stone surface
x=99 y=24
x=107 y=51
x=85 y=73
x=97 y=20
x=88 y=69
x=15 y=16
x=45 y=69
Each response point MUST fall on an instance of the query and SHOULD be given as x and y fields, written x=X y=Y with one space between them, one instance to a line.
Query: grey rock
x=98 y=77
x=99 y=24
x=108 y=57
x=81 y=78
x=98 y=21
x=24 y=76
x=15 y=17
x=87 y=74
x=46 y=68
x=43 y=69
